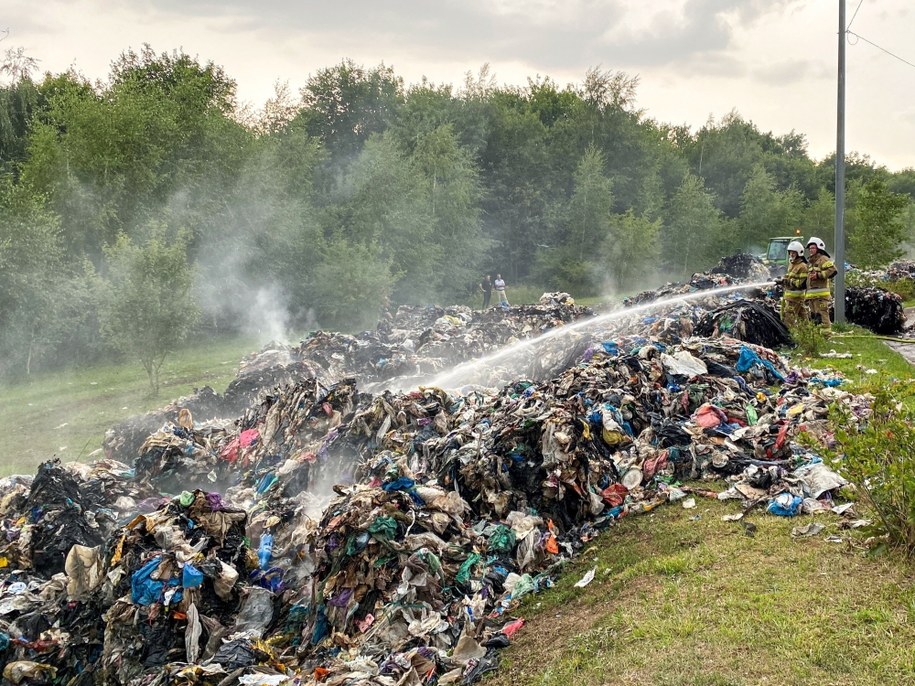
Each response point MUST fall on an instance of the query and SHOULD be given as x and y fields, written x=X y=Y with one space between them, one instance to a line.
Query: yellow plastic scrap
x=26 y=670
x=118 y=550
x=613 y=437
x=795 y=410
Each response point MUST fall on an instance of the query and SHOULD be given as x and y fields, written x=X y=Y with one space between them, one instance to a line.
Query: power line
x=854 y=15
x=870 y=42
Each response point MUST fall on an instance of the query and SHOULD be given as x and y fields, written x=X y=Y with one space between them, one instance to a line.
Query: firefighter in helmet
x=794 y=283
x=820 y=269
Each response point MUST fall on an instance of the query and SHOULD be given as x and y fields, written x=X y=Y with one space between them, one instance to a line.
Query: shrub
x=809 y=338
x=876 y=457
x=904 y=287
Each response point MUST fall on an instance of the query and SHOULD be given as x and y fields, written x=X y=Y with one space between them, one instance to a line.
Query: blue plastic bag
x=191 y=577
x=265 y=550
x=145 y=590
x=785 y=505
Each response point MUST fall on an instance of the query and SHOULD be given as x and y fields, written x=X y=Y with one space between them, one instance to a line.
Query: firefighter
x=820 y=269
x=794 y=305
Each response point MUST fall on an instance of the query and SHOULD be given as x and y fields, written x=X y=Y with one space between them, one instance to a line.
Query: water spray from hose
x=457 y=376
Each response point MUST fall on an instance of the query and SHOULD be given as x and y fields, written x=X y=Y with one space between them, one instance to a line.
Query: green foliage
x=452 y=195
x=380 y=206
x=589 y=208
x=692 y=230
x=31 y=258
x=630 y=249
x=765 y=212
x=20 y=101
x=809 y=338
x=148 y=311
x=111 y=159
x=904 y=287
x=352 y=283
x=560 y=269
x=876 y=457
x=570 y=188
x=878 y=234
x=344 y=105
x=819 y=217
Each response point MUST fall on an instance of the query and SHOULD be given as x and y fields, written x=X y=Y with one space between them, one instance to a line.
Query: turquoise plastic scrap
x=748 y=359
x=384 y=528
x=523 y=586
x=503 y=540
x=463 y=574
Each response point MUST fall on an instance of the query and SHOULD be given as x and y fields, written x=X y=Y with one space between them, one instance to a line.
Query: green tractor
x=776 y=255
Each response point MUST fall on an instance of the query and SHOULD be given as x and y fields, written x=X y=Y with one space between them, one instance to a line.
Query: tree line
x=151 y=207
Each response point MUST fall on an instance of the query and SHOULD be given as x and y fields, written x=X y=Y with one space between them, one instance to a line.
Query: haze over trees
x=154 y=193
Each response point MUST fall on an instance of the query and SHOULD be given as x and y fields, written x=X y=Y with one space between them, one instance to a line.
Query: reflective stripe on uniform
x=818 y=293
x=794 y=295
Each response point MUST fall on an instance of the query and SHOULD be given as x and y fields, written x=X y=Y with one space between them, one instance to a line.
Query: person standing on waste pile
x=499 y=283
x=486 y=288
x=820 y=269
x=794 y=283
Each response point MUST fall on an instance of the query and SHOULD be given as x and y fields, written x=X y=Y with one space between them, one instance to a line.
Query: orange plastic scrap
x=321 y=673
x=551 y=546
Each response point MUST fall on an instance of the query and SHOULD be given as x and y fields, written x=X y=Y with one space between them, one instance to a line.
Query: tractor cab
x=776 y=255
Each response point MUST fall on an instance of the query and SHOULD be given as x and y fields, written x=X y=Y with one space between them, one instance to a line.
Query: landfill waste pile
x=415 y=342
x=697 y=282
x=901 y=269
x=63 y=506
x=276 y=364
x=750 y=315
x=874 y=308
x=752 y=321
x=329 y=535
x=742 y=266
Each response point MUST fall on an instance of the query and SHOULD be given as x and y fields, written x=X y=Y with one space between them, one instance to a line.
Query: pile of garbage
x=901 y=269
x=866 y=305
x=328 y=535
x=874 y=308
x=742 y=266
x=697 y=282
x=414 y=343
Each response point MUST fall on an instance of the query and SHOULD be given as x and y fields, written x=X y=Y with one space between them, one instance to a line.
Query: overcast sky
x=774 y=61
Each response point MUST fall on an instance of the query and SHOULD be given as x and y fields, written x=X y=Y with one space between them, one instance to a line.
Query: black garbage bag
x=753 y=322
x=238 y=653
x=477 y=668
x=60 y=507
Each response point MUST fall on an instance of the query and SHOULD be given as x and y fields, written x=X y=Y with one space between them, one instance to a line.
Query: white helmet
x=796 y=247
x=818 y=242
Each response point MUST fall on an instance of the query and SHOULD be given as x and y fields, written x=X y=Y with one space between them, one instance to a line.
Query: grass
x=66 y=413
x=681 y=597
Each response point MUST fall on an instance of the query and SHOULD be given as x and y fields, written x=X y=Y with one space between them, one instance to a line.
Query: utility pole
x=840 y=175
